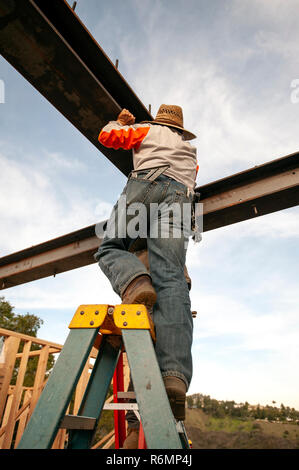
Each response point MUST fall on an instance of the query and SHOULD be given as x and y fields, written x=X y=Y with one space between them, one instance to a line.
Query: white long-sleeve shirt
x=154 y=145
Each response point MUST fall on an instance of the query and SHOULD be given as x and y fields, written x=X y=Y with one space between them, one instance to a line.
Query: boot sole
x=177 y=400
x=178 y=408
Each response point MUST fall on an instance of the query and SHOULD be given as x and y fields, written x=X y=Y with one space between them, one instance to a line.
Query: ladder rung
x=78 y=422
x=120 y=406
x=126 y=395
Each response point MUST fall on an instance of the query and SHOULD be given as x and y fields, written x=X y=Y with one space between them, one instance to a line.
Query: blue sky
x=230 y=65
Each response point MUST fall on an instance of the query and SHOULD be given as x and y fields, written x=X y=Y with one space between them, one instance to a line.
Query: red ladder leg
x=119 y=415
x=141 y=440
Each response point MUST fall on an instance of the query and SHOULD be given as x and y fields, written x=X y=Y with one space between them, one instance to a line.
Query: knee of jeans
x=103 y=266
x=97 y=256
x=101 y=250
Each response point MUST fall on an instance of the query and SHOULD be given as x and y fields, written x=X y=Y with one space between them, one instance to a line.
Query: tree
x=244 y=411
x=258 y=413
x=29 y=325
x=283 y=413
x=270 y=413
x=189 y=401
x=198 y=403
x=26 y=324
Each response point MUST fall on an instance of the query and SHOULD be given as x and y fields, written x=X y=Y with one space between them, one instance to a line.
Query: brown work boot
x=140 y=291
x=131 y=441
x=176 y=391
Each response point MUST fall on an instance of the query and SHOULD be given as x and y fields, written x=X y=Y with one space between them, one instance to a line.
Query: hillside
x=209 y=432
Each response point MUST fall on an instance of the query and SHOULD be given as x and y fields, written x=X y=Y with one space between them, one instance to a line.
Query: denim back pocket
x=138 y=190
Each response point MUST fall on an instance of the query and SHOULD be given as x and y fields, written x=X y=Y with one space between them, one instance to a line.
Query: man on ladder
x=165 y=169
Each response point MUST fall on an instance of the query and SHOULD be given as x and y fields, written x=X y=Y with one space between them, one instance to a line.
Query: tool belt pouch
x=196 y=217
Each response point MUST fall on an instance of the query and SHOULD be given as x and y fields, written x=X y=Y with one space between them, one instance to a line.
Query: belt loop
x=153 y=173
x=156 y=172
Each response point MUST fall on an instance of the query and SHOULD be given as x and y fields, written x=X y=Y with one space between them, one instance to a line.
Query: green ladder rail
x=93 y=325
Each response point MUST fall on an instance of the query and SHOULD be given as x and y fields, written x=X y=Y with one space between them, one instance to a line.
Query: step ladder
x=131 y=327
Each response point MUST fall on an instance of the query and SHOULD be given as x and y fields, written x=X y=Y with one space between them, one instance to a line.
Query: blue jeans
x=172 y=312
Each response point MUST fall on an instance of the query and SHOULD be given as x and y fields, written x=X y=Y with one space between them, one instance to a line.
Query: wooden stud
x=126 y=371
x=5 y=418
x=11 y=346
x=80 y=389
x=98 y=444
x=22 y=415
x=16 y=397
x=60 y=439
x=109 y=443
x=39 y=377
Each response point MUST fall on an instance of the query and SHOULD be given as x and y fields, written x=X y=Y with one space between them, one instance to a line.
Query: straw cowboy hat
x=172 y=116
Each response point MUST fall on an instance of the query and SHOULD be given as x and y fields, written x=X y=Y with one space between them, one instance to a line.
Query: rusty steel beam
x=55 y=256
x=47 y=43
x=261 y=190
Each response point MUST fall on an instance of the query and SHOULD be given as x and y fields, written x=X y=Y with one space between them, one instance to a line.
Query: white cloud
x=256 y=12
x=221 y=315
x=34 y=210
x=281 y=224
x=240 y=353
x=54 y=159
